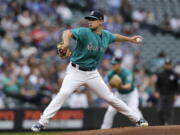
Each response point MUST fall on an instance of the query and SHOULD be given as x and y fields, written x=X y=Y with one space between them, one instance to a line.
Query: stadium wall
x=72 y=119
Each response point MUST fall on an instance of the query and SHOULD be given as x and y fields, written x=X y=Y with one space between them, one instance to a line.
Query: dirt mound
x=151 y=130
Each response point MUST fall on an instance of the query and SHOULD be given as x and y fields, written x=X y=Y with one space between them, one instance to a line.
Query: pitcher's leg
x=68 y=86
x=99 y=86
x=108 y=118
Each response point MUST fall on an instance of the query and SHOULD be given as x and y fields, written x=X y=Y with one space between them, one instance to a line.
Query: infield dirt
x=151 y=130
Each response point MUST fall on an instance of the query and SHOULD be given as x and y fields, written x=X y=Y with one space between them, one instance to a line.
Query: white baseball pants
x=75 y=78
x=131 y=99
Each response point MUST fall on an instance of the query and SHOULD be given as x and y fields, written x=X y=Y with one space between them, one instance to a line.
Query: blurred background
x=31 y=72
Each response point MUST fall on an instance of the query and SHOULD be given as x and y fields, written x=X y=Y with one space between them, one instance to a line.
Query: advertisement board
x=7 y=119
x=64 y=119
x=72 y=119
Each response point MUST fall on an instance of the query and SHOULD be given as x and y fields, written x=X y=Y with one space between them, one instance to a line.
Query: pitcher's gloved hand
x=63 y=51
x=115 y=82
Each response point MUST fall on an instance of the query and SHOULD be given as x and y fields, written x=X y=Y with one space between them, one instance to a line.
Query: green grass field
x=31 y=133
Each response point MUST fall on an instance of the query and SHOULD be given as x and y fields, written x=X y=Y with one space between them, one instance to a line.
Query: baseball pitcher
x=91 y=44
x=122 y=80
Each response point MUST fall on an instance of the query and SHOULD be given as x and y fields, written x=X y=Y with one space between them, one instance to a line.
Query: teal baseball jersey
x=126 y=76
x=90 y=46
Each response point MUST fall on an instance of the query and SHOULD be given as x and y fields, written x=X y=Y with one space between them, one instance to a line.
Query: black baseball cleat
x=37 y=127
x=142 y=123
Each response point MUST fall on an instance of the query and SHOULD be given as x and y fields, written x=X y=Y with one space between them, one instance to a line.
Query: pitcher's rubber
x=151 y=130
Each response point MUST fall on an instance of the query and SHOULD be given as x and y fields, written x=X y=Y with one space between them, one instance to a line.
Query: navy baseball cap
x=116 y=60
x=95 y=15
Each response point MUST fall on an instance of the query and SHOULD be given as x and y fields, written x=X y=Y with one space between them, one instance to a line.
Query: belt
x=81 y=68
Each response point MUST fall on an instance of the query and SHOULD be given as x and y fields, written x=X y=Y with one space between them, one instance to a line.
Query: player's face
x=94 y=24
x=116 y=67
x=168 y=66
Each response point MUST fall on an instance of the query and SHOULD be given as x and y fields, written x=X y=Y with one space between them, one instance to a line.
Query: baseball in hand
x=139 y=40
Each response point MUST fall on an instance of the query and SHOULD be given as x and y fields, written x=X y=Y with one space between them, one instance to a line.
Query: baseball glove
x=115 y=82
x=63 y=52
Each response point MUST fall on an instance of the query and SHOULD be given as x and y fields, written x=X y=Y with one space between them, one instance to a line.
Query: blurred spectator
x=126 y=10
x=139 y=15
x=114 y=5
x=149 y=17
x=28 y=90
x=10 y=84
x=129 y=29
x=24 y=67
x=38 y=35
x=177 y=71
x=2 y=96
x=112 y=25
x=175 y=23
x=165 y=24
x=141 y=82
x=158 y=62
x=64 y=12
x=2 y=105
x=9 y=24
x=151 y=90
x=24 y=37
x=128 y=61
x=8 y=43
x=25 y=18
x=27 y=51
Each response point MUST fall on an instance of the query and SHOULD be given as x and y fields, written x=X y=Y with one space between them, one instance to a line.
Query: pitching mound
x=151 y=130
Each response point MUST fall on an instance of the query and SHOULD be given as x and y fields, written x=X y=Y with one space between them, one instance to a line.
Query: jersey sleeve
x=77 y=32
x=112 y=38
